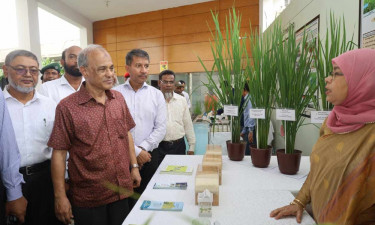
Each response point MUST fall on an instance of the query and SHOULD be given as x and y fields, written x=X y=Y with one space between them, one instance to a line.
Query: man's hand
x=251 y=139
x=143 y=157
x=17 y=208
x=190 y=153
x=136 y=177
x=63 y=210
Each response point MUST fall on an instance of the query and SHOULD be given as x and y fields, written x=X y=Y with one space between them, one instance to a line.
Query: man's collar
x=127 y=84
x=84 y=95
x=8 y=95
x=64 y=81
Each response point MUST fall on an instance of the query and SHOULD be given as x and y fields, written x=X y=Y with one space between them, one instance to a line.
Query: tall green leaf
x=335 y=44
x=228 y=52
x=262 y=79
x=295 y=85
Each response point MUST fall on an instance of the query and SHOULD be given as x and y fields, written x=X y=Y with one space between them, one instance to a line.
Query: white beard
x=24 y=90
x=168 y=95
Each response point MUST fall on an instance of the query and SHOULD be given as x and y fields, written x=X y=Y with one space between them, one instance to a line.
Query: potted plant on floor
x=229 y=53
x=262 y=84
x=295 y=90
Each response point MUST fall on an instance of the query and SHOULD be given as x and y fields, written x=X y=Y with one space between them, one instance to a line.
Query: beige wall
x=301 y=12
x=177 y=35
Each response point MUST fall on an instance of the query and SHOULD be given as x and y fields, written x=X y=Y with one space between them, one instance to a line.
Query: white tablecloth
x=247 y=194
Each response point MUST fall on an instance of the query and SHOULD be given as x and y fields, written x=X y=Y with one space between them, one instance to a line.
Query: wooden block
x=213 y=147
x=214 y=150
x=213 y=167
x=212 y=158
x=208 y=179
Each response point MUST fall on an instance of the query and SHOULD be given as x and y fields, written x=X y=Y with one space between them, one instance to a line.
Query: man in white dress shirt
x=148 y=109
x=180 y=89
x=179 y=121
x=32 y=116
x=70 y=82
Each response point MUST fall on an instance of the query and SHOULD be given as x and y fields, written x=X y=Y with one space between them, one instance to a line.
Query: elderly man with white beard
x=32 y=116
x=179 y=121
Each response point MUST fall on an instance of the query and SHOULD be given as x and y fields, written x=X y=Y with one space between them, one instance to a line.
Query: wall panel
x=107 y=35
x=177 y=35
x=138 y=31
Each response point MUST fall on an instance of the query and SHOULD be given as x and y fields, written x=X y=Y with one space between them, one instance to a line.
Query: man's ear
x=5 y=70
x=83 y=70
x=159 y=83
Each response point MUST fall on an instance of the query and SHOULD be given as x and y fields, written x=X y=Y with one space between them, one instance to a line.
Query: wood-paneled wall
x=177 y=35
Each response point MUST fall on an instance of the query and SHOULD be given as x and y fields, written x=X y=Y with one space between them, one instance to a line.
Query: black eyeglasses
x=23 y=70
x=335 y=74
x=166 y=82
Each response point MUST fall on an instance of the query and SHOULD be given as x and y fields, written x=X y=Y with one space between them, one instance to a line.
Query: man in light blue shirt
x=248 y=132
x=9 y=168
x=148 y=109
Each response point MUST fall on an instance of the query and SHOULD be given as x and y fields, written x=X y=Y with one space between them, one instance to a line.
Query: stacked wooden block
x=209 y=173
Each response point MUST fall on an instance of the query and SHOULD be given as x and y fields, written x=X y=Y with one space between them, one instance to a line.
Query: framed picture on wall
x=367 y=24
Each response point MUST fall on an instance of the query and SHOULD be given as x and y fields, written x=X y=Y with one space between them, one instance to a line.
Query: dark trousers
x=176 y=147
x=111 y=214
x=246 y=138
x=38 y=190
x=146 y=172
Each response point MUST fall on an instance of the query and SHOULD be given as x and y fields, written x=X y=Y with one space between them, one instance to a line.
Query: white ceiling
x=96 y=10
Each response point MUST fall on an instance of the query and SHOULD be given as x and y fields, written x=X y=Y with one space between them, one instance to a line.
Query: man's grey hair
x=136 y=52
x=13 y=54
x=84 y=54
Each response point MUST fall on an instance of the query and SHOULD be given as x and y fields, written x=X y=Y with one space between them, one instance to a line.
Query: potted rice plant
x=335 y=44
x=229 y=53
x=295 y=90
x=262 y=84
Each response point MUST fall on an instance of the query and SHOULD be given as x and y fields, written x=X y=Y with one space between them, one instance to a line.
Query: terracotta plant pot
x=288 y=163
x=236 y=151
x=260 y=157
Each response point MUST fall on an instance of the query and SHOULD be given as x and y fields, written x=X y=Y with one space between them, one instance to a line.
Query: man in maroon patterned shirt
x=93 y=125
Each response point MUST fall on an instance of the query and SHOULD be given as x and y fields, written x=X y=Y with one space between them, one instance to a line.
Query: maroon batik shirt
x=96 y=137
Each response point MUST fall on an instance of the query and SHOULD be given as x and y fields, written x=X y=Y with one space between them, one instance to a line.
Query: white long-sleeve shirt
x=148 y=109
x=187 y=99
x=32 y=123
x=58 y=89
x=179 y=121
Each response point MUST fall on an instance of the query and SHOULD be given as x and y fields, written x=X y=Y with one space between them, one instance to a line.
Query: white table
x=247 y=194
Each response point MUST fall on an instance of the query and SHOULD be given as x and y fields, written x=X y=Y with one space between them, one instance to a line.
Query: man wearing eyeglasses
x=32 y=116
x=148 y=109
x=179 y=121
x=70 y=82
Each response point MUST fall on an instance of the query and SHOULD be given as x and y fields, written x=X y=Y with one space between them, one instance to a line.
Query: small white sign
x=286 y=114
x=231 y=110
x=319 y=116
x=257 y=113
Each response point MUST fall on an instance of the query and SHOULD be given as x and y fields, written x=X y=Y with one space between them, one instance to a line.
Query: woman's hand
x=289 y=210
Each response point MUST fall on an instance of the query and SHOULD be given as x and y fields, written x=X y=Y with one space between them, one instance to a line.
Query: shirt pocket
x=121 y=129
x=43 y=129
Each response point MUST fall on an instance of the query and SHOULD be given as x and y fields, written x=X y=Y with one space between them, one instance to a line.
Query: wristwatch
x=135 y=165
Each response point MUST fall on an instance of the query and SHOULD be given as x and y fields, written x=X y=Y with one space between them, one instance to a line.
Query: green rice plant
x=335 y=44
x=229 y=52
x=295 y=87
x=261 y=71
